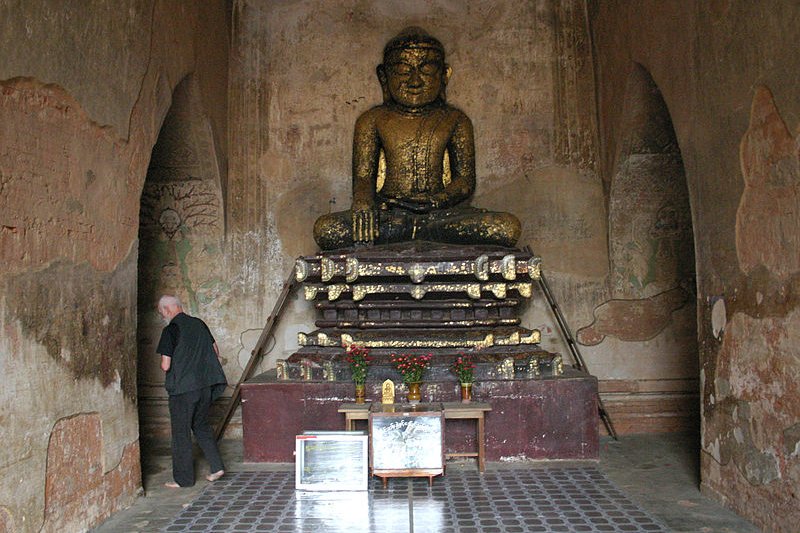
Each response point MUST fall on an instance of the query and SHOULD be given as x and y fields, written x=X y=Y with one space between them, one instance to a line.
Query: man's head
x=169 y=306
x=413 y=73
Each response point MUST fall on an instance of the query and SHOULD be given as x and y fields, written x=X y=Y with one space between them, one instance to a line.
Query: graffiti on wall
x=181 y=223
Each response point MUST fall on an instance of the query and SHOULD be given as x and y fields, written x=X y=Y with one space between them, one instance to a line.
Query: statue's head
x=413 y=73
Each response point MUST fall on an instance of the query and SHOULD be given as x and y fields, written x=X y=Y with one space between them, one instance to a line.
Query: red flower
x=359 y=359
x=411 y=367
x=463 y=367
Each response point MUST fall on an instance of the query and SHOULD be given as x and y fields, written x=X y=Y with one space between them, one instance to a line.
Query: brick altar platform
x=548 y=417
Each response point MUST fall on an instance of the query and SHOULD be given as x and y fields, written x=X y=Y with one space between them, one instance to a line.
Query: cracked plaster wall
x=83 y=92
x=730 y=87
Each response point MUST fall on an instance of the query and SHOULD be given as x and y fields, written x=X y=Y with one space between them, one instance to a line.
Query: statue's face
x=415 y=76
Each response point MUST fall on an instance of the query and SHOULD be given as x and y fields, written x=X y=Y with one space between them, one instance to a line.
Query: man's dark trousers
x=189 y=412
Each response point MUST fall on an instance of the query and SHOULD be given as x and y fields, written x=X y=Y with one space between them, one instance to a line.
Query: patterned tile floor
x=553 y=499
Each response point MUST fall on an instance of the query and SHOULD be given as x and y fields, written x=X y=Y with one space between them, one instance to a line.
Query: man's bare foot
x=216 y=475
x=172 y=485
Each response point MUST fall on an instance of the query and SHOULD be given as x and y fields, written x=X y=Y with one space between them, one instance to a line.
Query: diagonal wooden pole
x=566 y=334
x=255 y=355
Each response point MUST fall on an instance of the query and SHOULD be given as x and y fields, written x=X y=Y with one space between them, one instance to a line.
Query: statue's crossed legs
x=459 y=225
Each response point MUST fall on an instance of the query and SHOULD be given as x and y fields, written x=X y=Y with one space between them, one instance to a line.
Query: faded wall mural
x=751 y=433
x=650 y=231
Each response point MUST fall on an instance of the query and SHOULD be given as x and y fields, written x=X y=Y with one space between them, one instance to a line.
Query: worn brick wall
x=83 y=92
x=729 y=72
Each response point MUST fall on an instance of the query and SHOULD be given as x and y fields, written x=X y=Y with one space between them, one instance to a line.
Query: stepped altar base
x=421 y=298
x=433 y=299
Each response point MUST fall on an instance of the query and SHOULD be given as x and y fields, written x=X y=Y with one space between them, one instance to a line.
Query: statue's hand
x=365 y=222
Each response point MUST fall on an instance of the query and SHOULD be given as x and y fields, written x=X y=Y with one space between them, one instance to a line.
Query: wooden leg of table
x=348 y=423
x=481 y=445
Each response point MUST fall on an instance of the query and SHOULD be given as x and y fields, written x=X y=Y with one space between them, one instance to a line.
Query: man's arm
x=216 y=351
x=166 y=345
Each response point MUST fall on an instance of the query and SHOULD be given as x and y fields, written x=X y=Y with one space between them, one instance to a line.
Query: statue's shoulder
x=456 y=114
x=457 y=119
x=371 y=115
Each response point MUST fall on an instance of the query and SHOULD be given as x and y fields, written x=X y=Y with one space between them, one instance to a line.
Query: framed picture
x=407 y=440
x=331 y=460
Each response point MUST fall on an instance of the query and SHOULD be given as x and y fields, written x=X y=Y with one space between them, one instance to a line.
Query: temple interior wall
x=83 y=93
x=728 y=73
x=303 y=72
x=216 y=132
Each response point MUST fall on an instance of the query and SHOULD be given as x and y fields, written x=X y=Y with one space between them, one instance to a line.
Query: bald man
x=194 y=379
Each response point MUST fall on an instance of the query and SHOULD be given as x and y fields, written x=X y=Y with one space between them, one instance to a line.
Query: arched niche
x=650 y=225
x=181 y=231
x=647 y=329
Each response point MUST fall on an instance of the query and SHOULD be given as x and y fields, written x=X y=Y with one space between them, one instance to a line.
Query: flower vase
x=361 y=392
x=466 y=392
x=414 y=395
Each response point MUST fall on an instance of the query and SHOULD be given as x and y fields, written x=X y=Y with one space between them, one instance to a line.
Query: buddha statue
x=414 y=161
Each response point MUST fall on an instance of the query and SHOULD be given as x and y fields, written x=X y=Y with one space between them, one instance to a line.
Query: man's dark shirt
x=189 y=343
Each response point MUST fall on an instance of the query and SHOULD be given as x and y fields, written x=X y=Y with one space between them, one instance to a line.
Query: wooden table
x=353 y=412
x=471 y=410
x=455 y=410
